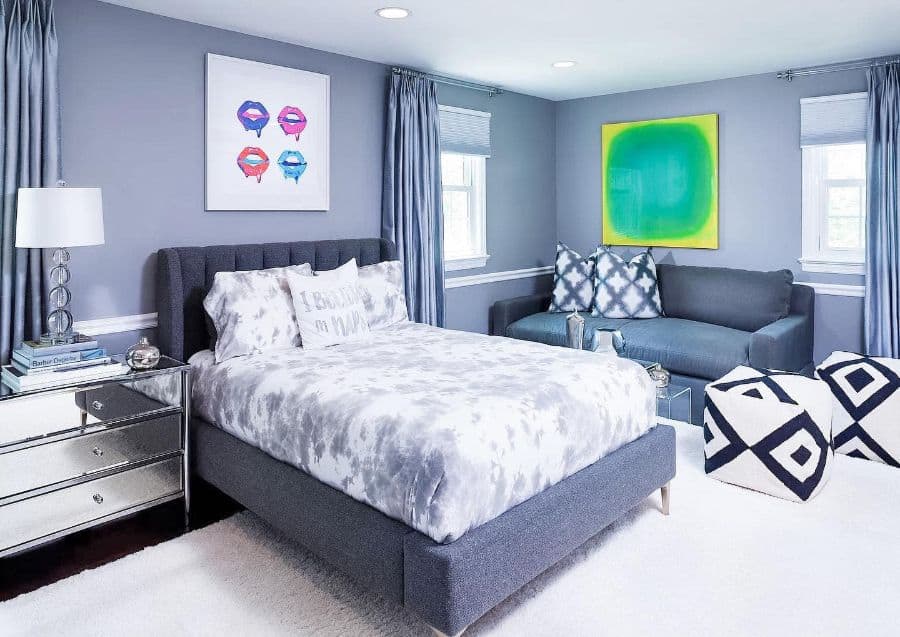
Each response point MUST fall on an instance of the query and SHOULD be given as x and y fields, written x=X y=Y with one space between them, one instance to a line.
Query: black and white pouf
x=866 y=405
x=770 y=432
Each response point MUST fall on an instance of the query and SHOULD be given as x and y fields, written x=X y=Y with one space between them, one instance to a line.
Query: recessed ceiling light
x=393 y=13
x=564 y=64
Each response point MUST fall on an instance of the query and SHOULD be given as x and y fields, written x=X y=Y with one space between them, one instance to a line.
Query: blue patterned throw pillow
x=573 y=281
x=625 y=289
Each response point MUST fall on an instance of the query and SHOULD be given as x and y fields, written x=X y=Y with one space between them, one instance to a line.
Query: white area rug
x=726 y=562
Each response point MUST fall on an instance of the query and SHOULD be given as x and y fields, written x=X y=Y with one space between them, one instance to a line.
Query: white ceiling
x=620 y=45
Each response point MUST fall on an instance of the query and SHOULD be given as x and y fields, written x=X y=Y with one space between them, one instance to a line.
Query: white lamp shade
x=59 y=217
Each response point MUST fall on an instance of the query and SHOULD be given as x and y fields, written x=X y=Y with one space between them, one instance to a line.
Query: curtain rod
x=451 y=81
x=790 y=74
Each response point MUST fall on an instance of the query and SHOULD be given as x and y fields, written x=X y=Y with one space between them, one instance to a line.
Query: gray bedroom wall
x=520 y=200
x=759 y=178
x=132 y=91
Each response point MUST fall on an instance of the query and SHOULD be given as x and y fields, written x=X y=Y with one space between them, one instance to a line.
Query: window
x=462 y=180
x=834 y=184
x=465 y=147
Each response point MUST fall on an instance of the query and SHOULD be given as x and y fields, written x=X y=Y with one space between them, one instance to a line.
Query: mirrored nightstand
x=77 y=456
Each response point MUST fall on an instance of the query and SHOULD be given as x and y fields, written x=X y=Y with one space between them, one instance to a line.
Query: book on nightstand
x=36 y=348
x=17 y=380
x=48 y=361
x=38 y=365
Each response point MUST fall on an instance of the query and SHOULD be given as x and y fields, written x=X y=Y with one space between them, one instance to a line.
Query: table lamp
x=59 y=218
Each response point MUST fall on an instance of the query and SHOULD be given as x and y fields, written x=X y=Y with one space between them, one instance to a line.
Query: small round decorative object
x=142 y=355
x=659 y=375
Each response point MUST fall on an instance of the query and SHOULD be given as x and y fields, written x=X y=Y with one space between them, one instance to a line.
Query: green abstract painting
x=661 y=182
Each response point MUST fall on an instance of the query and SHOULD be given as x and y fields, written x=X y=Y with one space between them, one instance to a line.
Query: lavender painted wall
x=520 y=201
x=133 y=95
x=759 y=177
x=132 y=89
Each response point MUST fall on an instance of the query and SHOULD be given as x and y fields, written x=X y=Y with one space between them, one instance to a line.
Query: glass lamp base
x=59 y=339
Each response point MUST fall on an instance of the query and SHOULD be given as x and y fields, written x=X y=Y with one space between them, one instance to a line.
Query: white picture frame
x=267 y=137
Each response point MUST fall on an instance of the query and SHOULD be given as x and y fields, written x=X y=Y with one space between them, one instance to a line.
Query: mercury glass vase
x=142 y=355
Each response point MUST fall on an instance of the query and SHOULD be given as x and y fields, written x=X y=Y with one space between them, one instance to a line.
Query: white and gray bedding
x=440 y=429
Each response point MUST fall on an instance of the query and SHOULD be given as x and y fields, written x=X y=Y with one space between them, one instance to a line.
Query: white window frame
x=816 y=257
x=478 y=214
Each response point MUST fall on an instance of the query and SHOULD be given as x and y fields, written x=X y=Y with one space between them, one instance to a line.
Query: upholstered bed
x=447 y=562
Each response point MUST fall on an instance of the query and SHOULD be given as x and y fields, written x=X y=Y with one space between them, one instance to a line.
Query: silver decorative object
x=142 y=355
x=574 y=331
x=659 y=375
x=608 y=341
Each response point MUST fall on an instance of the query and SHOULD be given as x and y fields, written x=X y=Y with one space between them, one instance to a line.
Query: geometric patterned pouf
x=769 y=431
x=866 y=405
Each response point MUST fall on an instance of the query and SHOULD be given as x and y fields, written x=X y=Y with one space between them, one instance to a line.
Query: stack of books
x=39 y=366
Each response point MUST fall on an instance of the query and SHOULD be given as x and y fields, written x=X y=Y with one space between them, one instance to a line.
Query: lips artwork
x=252 y=160
x=292 y=164
x=292 y=121
x=253 y=116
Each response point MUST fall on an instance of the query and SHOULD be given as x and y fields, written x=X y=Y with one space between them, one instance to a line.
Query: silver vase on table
x=575 y=331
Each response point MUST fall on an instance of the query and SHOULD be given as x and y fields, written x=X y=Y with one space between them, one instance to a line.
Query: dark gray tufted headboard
x=184 y=276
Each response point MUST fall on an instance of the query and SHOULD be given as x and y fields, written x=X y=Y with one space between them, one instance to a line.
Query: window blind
x=465 y=131
x=833 y=119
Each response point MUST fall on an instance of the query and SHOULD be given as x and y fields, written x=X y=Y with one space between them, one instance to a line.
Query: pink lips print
x=292 y=121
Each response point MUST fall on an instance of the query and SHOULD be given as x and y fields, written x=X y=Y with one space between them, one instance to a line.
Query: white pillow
x=381 y=286
x=252 y=310
x=329 y=307
x=339 y=271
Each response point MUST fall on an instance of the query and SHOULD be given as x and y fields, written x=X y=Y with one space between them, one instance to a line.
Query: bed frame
x=448 y=585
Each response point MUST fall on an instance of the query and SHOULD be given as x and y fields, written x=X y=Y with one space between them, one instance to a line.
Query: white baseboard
x=117 y=324
x=494 y=277
x=837 y=289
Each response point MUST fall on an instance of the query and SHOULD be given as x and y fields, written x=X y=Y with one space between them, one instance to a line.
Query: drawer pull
x=98 y=451
x=97 y=405
x=98 y=498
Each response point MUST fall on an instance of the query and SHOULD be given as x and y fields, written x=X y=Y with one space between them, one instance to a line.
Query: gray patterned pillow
x=573 y=281
x=329 y=306
x=625 y=289
x=252 y=311
x=381 y=288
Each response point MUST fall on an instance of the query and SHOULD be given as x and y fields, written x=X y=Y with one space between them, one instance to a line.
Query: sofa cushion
x=625 y=289
x=550 y=327
x=740 y=299
x=684 y=347
x=573 y=281
x=687 y=347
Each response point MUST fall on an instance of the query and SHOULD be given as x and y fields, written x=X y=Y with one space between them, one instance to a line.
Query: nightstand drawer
x=58 y=412
x=125 y=400
x=57 y=512
x=55 y=462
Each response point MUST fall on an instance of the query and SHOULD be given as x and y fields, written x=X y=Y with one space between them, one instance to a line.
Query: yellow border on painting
x=708 y=236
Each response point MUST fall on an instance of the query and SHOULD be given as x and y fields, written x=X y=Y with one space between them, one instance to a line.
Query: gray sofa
x=715 y=319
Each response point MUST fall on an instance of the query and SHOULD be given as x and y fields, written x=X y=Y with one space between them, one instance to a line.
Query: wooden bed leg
x=438 y=633
x=664 y=492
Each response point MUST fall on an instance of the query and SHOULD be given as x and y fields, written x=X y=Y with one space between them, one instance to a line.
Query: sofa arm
x=504 y=313
x=786 y=344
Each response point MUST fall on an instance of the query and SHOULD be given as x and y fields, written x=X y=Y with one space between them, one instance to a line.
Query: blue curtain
x=883 y=223
x=411 y=207
x=29 y=139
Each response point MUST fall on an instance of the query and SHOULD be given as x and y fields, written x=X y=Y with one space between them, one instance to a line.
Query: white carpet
x=726 y=562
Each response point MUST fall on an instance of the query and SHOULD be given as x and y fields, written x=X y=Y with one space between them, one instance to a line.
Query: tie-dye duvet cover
x=440 y=429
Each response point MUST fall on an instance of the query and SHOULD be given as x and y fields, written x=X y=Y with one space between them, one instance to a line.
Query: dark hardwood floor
x=91 y=548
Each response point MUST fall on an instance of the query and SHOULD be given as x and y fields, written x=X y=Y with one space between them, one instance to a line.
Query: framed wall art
x=267 y=136
x=661 y=182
